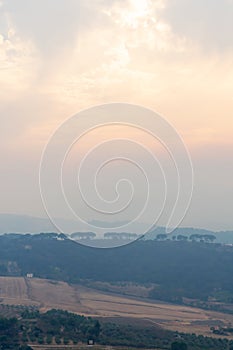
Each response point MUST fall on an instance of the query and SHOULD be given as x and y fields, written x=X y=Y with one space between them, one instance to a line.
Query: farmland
x=48 y=294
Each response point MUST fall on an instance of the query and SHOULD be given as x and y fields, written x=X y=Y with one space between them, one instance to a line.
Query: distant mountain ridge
x=12 y=223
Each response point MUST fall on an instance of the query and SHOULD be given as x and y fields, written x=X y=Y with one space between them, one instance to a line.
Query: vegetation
x=64 y=328
x=83 y=235
x=179 y=269
x=209 y=238
x=120 y=235
x=179 y=346
x=53 y=326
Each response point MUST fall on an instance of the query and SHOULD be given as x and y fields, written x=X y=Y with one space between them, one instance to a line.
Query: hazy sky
x=173 y=56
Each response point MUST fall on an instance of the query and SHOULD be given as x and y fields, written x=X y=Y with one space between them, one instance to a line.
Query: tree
x=161 y=237
x=182 y=238
x=209 y=238
x=179 y=346
x=195 y=237
x=83 y=235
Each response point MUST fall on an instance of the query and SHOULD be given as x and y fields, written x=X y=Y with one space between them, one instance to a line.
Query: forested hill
x=177 y=268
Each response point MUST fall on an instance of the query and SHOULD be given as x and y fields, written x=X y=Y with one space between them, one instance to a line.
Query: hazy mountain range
x=12 y=223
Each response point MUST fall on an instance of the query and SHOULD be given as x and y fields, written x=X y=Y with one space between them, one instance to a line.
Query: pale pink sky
x=175 y=57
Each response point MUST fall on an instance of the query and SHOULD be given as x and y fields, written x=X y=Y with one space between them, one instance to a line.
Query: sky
x=175 y=57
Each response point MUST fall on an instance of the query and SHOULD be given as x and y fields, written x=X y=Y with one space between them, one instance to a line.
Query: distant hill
x=11 y=223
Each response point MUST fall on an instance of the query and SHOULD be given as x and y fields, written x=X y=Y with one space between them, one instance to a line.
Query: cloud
x=126 y=42
x=17 y=59
x=51 y=25
x=207 y=23
x=58 y=56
